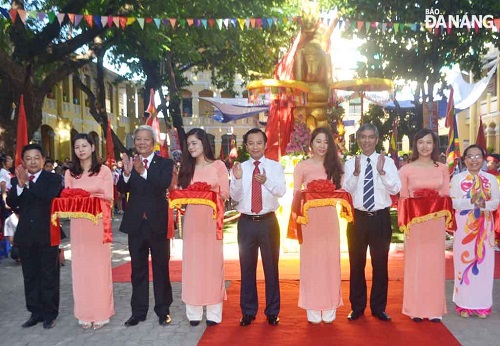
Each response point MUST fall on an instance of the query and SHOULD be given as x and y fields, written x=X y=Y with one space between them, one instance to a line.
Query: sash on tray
x=200 y=193
x=319 y=193
x=425 y=205
x=78 y=204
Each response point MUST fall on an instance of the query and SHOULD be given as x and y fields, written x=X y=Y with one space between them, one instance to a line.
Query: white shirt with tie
x=384 y=185
x=240 y=190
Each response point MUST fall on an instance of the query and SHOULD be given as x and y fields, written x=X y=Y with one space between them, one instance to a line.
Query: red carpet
x=289 y=268
x=294 y=328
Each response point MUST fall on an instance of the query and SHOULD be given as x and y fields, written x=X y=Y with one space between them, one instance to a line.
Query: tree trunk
x=174 y=104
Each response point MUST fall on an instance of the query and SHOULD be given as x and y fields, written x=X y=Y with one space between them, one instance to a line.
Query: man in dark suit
x=146 y=177
x=32 y=192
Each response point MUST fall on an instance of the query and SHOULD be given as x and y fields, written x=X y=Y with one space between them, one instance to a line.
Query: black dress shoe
x=133 y=321
x=194 y=323
x=273 y=320
x=211 y=323
x=354 y=315
x=33 y=320
x=246 y=320
x=49 y=324
x=417 y=319
x=382 y=316
x=435 y=320
x=165 y=321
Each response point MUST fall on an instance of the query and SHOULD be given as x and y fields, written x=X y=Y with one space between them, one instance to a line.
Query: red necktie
x=256 y=190
x=145 y=161
x=32 y=177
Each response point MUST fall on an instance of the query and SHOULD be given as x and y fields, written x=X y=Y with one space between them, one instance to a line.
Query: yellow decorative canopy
x=294 y=84
x=364 y=85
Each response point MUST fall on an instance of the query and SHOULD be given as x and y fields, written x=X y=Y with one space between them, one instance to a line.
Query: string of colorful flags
x=223 y=23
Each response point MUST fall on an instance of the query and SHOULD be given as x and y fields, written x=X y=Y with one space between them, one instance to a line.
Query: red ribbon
x=200 y=197
x=77 y=207
x=421 y=209
x=305 y=199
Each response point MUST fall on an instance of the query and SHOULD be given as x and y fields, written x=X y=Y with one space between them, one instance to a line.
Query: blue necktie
x=368 y=190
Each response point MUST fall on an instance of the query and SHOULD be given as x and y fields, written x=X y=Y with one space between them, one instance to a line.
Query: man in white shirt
x=371 y=180
x=256 y=185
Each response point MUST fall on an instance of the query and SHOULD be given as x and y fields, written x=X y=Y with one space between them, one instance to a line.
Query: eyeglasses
x=472 y=157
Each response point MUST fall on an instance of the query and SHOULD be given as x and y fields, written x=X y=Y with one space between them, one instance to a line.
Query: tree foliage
x=419 y=55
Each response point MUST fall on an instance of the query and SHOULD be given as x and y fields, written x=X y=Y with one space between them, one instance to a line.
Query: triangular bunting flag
x=5 y=13
x=211 y=22
x=197 y=23
x=360 y=25
x=130 y=20
x=32 y=14
x=259 y=22
x=157 y=22
x=78 y=19
x=182 y=23
x=204 y=23
x=110 y=21
x=89 y=19
x=190 y=21
x=248 y=22
x=241 y=22
x=71 y=17
x=148 y=20
x=234 y=22
x=384 y=26
x=368 y=25
x=104 y=21
x=269 y=22
x=97 y=20
x=116 y=21
x=60 y=17
x=252 y=22
x=166 y=22
x=22 y=15
x=285 y=20
x=219 y=23
x=41 y=15
x=497 y=23
x=172 y=22
x=141 y=22
x=226 y=23
x=123 y=22
x=275 y=21
x=396 y=27
x=51 y=16
x=13 y=15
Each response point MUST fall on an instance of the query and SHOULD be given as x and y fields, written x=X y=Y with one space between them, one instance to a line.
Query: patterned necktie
x=368 y=190
x=32 y=177
x=256 y=190
x=145 y=161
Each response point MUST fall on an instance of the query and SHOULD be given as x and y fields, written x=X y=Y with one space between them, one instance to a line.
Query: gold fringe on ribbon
x=75 y=215
x=419 y=219
x=326 y=202
x=178 y=202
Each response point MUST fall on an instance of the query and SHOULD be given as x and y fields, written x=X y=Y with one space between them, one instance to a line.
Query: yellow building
x=66 y=113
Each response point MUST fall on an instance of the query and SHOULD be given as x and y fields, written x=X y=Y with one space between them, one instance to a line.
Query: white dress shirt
x=240 y=190
x=384 y=185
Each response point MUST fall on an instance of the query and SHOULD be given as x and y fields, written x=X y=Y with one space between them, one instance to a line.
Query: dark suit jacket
x=34 y=209
x=147 y=197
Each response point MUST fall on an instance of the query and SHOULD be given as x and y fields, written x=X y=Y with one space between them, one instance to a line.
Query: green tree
x=419 y=55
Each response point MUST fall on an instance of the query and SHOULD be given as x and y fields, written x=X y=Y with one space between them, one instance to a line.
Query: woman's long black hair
x=332 y=163
x=188 y=162
x=76 y=169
